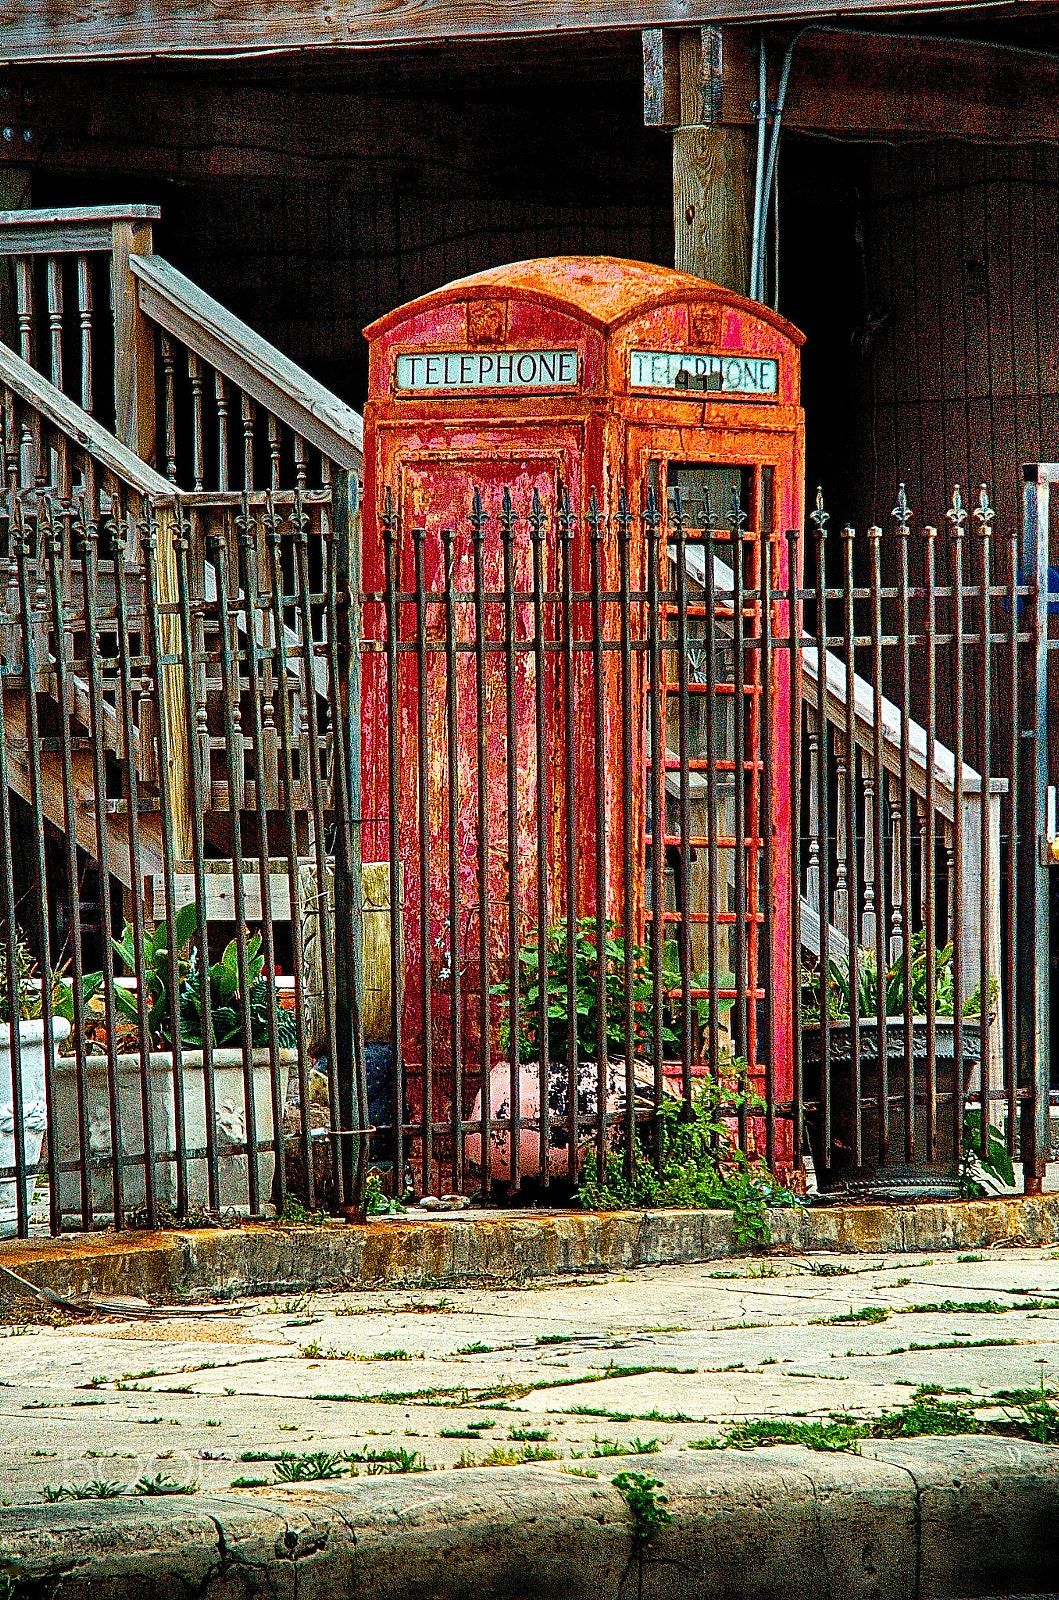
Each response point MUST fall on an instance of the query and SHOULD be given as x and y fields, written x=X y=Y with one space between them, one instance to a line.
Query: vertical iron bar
x=957 y=516
x=235 y=759
x=850 y=798
x=200 y=780
x=119 y=532
x=902 y=515
x=1034 y=917
x=479 y=522
x=820 y=519
x=566 y=544
x=930 y=846
x=88 y=539
x=508 y=526
x=9 y=925
x=624 y=525
x=149 y=547
x=736 y=526
x=878 y=834
x=794 y=709
x=656 y=553
x=537 y=524
x=453 y=791
x=679 y=535
x=714 y=807
x=246 y=531
x=984 y=516
x=287 y=795
x=57 y=521
x=596 y=530
x=767 y=733
x=325 y=923
x=423 y=781
x=1014 y=763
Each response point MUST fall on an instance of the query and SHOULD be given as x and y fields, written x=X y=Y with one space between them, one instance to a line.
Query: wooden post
x=713 y=171
x=134 y=413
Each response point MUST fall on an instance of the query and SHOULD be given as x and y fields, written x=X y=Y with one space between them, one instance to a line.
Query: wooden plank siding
x=311 y=202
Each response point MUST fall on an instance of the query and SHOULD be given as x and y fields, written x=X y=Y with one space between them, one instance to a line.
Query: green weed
x=646 y=1499
x=867 y=1314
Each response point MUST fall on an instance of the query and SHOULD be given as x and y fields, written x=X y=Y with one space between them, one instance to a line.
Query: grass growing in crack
x=867 y=1314
x=475 y=1349
x=162 y=1483
x=614 y=1447
x=315 y=1352
x=833 y=1435
x=504 y=1456
x=96 y=1489
x=249 y=1483
x=529 y=1435
x=578 y=1472
x=312 y=1467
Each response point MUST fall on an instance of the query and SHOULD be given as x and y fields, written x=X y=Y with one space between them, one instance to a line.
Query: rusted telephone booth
x=578 y=476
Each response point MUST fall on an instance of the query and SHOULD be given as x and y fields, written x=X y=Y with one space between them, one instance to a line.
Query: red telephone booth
x=578 y=477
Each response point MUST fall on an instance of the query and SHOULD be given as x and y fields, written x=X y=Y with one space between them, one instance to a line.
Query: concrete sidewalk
x=484 y=1426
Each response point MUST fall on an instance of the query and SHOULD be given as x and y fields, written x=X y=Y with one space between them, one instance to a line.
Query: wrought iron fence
x=724 y=796
x=615 y=803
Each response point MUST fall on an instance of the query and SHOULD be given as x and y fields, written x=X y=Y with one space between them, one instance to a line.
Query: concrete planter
x=229 y=1100
x=34 y=1109
x=891 y=1176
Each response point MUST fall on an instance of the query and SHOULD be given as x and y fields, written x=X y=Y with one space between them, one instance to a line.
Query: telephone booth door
x=712 y=774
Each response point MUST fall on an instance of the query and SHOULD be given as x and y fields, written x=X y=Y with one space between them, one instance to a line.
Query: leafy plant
x=700 y=1167
x=225 y=999
x=554 y=982
x=376 y=1202
x=162 y=1483
x=911 y=969
x=647 y=1502
x=997 y=1163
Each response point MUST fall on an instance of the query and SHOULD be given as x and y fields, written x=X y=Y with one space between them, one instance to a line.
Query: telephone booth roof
x=603 y=291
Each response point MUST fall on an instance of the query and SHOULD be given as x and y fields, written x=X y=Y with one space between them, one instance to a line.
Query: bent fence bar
x=559 y=812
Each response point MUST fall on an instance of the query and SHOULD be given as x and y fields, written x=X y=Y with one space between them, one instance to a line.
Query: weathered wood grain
x=201 y=324
x=78 y=29
x=80 y=429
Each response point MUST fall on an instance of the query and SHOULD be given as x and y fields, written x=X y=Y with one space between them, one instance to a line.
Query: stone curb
x=910 y=1520
x=490 y=1248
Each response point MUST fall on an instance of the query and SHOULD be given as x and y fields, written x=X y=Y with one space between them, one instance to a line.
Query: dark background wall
x=312 y=200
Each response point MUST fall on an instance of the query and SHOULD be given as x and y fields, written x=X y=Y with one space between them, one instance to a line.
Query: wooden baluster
x=30 y=464
x=273 y=450
x=198 y=471
x=842 y=777
x=925 y=866
x=248 y=410
x=24 y=306
x=84 y=312
x=169 y=371
x=200 y=671
x=221 y=391
x=55 y=319
x=868 y=920
x=301 y=463
x=897 y=898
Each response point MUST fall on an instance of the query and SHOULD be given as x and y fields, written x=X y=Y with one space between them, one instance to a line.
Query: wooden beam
x=661 y=77
x=83 y=30
x=885 y=86
x=74 y=230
